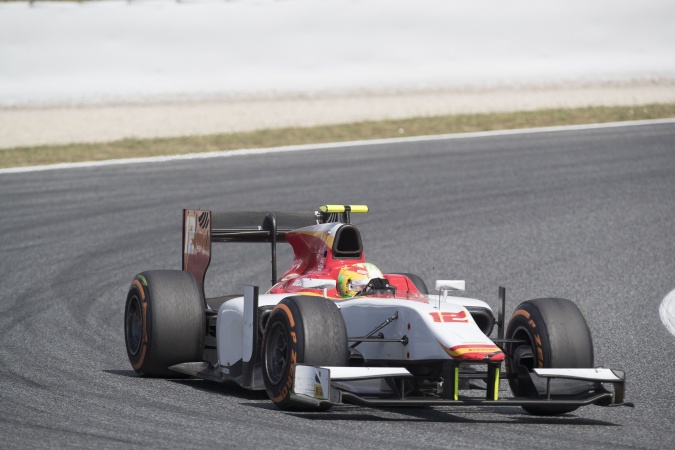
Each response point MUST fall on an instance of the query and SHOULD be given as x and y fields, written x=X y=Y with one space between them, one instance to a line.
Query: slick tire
x=301 y=330
x=557 y=336
x=164 y=322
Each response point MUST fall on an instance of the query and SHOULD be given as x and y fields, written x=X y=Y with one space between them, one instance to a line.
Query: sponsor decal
x=318 y=389
x=288 y=312
x=190 y=228
x=476 y=352
x=522 y=312
x=204 y=220
x=289 y=381
x=312 y=381
x=538 y=350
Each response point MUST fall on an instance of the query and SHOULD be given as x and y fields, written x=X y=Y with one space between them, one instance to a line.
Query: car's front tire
x=301 y=330
x=556 y=336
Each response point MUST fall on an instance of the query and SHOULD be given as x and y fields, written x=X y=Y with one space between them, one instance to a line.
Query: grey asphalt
x=585 y=214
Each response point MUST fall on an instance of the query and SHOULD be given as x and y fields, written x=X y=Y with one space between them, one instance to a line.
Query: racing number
x=447 y=316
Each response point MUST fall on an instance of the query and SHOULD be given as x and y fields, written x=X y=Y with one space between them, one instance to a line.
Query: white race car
x=335 y=329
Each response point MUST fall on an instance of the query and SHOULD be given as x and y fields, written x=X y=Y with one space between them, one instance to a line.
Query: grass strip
x=417 y=126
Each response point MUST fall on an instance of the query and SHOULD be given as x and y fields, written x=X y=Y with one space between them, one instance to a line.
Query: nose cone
x=475 y=352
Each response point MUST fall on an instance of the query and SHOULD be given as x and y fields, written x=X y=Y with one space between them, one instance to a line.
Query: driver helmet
x=352 y=279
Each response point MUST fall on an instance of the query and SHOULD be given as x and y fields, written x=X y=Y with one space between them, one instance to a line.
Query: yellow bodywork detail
x=332 y=209
x=496 y=386
x=342 y=208
x=456 y=390
x=359 y=208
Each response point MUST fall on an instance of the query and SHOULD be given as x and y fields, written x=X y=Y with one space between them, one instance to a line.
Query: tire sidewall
x=139 y=289
x=287 y=315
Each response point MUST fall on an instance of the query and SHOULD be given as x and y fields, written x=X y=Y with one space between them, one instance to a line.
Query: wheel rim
x=522 y=334
x=134 y=325
x=276 y=353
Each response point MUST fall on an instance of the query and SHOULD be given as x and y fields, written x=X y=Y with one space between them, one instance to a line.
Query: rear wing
x=201 y=228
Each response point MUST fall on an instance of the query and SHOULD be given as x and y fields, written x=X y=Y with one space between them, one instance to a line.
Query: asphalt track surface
x=585 y=214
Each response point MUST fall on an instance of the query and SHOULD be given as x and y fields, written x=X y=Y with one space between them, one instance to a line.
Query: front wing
x=331 y=385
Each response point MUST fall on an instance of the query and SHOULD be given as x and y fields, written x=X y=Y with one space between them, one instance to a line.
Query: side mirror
x=318 y=283
x=450 y=285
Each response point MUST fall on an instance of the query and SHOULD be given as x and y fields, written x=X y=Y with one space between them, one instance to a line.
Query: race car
x=335 y=329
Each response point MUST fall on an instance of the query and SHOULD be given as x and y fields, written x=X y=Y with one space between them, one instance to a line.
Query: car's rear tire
x=301 y=330
x=556 y=336
x=417 y=281
x=164 y=322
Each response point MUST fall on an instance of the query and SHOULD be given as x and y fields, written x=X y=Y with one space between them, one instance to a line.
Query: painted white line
x=667 y=312
x=294 y=148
